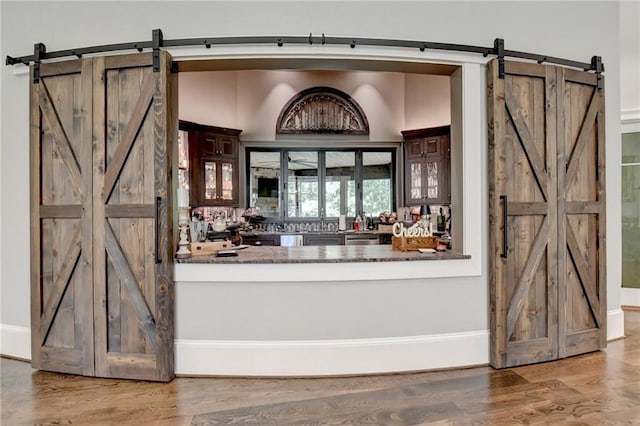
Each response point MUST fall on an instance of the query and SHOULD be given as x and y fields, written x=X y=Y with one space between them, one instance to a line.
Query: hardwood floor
x=601 y=388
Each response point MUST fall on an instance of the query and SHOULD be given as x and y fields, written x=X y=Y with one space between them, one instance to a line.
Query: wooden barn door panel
x=546 y=154
x=132 y=274
x=524 y=299
x=61 y=219
x=581 y=214
x=101 y=275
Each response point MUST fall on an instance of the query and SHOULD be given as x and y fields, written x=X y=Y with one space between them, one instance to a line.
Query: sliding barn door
x=581 y=214
x=546 y=203
x=102 y=285
x=61 y=219
x=523 y=221
x=132 y=254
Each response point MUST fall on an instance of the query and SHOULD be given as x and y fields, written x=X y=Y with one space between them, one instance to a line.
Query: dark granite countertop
x=323 y=254
x=349 y=232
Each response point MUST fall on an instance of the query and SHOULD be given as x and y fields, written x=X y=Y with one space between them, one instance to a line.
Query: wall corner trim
x=15 y=341
x=615 y=324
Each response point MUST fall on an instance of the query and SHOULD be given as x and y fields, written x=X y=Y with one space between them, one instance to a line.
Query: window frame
x=283 y=185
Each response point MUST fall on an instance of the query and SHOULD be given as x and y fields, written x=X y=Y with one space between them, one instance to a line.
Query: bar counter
x=322 y=254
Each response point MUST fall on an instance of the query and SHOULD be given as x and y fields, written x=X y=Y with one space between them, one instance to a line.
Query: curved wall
x=266 y=336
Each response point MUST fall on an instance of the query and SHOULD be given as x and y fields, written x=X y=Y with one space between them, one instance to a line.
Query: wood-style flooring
x=601 y=388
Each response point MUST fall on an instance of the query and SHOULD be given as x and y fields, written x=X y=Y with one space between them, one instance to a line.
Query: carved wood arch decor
x=322 y=110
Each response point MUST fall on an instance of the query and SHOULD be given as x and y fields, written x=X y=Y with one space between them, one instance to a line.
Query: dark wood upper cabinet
x=427 y=165
x=213 y=165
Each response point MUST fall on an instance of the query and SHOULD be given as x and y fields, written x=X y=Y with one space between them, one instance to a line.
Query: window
x=631 y=210
x=320 y=183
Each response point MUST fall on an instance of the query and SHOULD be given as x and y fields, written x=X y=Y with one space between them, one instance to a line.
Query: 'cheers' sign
x=415 y=230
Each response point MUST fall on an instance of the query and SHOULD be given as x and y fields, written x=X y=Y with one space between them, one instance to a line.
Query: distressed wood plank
x=583 y=275
x=165 y=115
x=100 y=275
x=60 y=137
x=496 y=124
x=520 y=208
x=518 y=299
x=130 y=210
x=129 y=186
x=602 y=217
x=524 y=134
x=84 y=299
x=128 y=61
x=52 y=303
x=73 y=66
x=123 y=269
x=35 y=195
x=61 y=211
x=551 y=136
x=582 y=140
x=129 y=135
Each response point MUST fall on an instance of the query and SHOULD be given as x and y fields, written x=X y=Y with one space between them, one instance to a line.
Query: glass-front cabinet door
x=213 y=165
x=427 y=166
x=210 y=180
x=219 y=182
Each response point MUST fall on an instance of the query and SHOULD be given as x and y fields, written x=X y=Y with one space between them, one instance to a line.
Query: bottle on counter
x=357 y=224
x=441 y=221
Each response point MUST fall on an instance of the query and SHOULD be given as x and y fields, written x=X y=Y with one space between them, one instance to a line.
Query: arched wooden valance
x=322 y=110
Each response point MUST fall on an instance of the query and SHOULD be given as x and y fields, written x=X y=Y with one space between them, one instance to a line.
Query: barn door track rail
x=157 y=42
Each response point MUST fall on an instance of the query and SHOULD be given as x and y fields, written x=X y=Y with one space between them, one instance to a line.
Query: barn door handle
x=505 y=235
x=156 y=219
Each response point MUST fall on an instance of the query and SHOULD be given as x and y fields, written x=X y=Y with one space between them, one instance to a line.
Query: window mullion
x=359 y=174
x=321 y=184
x=284 y=186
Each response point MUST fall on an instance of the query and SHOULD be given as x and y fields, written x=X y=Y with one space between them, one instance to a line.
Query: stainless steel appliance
x=360 y=239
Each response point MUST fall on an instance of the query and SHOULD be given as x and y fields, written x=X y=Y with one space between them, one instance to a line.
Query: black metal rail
x=157 y=42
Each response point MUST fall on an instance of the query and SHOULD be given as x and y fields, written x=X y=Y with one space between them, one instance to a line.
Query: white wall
x=252 y=100
x=552 y=28
x=630 y=59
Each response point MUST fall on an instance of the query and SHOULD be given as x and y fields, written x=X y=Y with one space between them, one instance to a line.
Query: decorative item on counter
x=417 y=236
x=387 y=219
x=253 y=216
x=342 y=223
x=183 y=223
x=441 y=221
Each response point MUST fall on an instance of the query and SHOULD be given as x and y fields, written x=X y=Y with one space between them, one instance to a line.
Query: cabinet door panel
x=213 y=157
x=427 y=168
x=210 y=179
x=415 y=147
x=227 y=184
x=227 y=147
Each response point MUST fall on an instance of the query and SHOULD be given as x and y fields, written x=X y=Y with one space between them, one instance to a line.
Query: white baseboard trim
x=630 y=297
x=317 y=357
x=331 y=357
x=15 y=341
x=615 y=324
